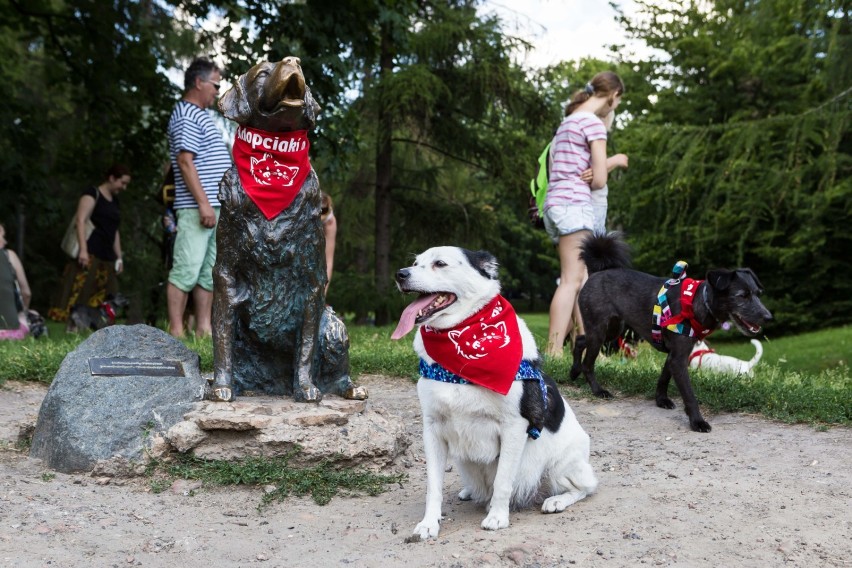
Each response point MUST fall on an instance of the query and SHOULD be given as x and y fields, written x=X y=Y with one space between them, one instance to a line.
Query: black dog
x=615 y=295
x=36 y=322
x=85 y=317
x=272 y=332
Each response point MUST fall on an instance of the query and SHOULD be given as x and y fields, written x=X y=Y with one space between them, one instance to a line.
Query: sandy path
x=751 y=493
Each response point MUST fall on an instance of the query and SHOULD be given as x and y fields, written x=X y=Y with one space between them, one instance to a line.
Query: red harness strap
x=110 y=313
x=688 y=290
x=700 y=353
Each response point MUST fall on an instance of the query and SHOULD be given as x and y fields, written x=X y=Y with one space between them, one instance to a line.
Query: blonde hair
x=604 y=84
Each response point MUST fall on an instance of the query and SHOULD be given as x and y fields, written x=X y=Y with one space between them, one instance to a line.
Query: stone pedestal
x=347 y=432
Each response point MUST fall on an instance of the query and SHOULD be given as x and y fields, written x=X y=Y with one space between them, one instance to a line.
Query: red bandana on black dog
x=485 y=349
x=272 y=166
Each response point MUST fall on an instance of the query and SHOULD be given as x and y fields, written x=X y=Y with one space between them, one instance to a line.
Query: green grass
x=809 y=353
x=803 y=378
x=322 y=481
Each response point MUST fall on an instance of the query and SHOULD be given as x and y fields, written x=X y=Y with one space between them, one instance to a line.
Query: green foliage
x=743 y=156
x=82 y=85
x=322 y=481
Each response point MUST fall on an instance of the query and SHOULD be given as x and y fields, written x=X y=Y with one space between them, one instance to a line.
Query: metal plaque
x=120 y=366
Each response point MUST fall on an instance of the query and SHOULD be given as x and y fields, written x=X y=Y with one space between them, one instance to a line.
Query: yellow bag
x=69 y=241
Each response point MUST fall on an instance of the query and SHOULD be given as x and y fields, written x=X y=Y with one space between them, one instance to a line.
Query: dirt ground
x=750 y=493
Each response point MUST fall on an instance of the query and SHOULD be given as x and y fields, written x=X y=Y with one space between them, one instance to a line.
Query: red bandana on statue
x=485 y=349
x=272 y=166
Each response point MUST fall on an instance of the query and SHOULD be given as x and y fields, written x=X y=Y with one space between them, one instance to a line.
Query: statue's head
x=271 y=97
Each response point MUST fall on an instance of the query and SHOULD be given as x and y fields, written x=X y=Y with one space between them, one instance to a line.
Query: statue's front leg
x=305 y=389
x=224 y=325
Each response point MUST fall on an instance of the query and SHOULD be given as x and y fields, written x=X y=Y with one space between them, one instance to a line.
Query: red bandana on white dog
x=485 y=349
x=272 y=166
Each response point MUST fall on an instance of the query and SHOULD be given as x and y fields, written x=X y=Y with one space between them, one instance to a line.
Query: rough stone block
x=86 y=418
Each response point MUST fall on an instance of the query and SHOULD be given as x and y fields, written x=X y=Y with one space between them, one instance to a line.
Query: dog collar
x=526 y=372
x=272 y=166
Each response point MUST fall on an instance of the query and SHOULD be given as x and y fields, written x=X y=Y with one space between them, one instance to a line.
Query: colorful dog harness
x=684 y=322
x=526 y=372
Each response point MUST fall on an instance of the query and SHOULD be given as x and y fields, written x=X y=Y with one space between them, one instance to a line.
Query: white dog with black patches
x=486 y=404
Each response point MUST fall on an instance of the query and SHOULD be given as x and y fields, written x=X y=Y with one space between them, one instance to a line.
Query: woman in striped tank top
x=579 y=145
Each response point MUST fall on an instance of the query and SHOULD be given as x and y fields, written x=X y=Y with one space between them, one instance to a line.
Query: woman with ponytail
x=579 y=145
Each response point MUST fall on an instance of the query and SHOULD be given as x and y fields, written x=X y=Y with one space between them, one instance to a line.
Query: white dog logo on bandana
x=485 y=349
x=473 y=344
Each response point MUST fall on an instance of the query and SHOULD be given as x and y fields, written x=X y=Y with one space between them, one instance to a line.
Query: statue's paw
x=309 y=394
x=356 y=393
x=221 y=394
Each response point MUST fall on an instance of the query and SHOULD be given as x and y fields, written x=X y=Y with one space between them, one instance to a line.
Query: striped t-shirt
x=191 y=129
x=571 y=155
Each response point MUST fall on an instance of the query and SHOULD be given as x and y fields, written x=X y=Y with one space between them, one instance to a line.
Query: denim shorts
x=561 y=220
x=194 y=253
x=599 y=207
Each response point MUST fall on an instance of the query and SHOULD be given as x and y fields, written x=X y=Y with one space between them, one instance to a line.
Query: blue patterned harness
x=526 y=372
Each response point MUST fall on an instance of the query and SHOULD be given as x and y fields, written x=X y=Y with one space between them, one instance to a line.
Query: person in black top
x=90 y=277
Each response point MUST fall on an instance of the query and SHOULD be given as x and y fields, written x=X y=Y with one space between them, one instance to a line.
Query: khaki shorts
x=194 y=253
x=561 y=220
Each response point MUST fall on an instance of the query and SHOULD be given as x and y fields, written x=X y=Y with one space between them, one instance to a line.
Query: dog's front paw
x=427 y=529
x=665 y=402
x=603 y=393
x=700 y=426
x=466 y=494
x=496 y=520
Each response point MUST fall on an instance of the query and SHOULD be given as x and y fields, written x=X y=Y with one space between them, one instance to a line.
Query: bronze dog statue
x=272 y=332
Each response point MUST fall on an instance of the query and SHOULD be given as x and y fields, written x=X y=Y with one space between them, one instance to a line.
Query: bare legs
x=572 y=275
x=177 y=298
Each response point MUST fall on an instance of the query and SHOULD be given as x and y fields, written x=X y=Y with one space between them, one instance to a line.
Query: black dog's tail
x=605 y=251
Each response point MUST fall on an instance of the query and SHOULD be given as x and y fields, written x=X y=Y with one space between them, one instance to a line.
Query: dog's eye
x=440 y=263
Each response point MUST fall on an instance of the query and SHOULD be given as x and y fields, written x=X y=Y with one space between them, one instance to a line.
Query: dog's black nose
x=402 y=274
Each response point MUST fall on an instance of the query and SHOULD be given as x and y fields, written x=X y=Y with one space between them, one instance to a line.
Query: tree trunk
x=383 y=183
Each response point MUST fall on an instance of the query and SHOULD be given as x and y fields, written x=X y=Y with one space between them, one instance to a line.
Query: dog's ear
x=484 y=262
x=750 y=273
x=234 y=103
x=720 y=279
x=312 y=108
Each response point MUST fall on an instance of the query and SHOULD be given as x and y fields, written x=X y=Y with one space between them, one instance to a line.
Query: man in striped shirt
x=199 y=158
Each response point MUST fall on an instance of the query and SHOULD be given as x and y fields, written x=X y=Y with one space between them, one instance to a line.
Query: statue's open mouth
x=289 y=95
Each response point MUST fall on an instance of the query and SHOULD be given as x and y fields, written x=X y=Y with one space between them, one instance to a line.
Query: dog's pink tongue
x=406 y=320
